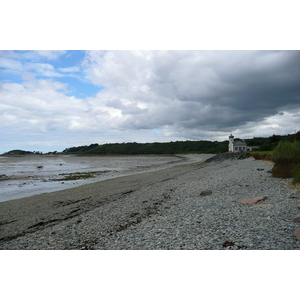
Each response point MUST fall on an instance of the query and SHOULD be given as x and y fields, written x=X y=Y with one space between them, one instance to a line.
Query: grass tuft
x=78 y=175
x=296 y=174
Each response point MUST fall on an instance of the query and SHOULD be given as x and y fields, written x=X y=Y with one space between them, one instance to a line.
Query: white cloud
x=42 y=69
x=10 y=64
x=29 y=61
x=51 y=54
x=39 y=105
x=70 y=69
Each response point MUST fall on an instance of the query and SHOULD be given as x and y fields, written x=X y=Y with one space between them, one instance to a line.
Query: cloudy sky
x=54 y=99
x=50 y=100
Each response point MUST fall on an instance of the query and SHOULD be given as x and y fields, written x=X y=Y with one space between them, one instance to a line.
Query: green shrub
x=286 y=157
x=287 y=152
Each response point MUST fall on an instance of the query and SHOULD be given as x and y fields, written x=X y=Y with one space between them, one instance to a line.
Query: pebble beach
x=191 y=207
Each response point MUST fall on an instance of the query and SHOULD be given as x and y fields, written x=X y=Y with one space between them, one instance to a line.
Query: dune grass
x=296 y=174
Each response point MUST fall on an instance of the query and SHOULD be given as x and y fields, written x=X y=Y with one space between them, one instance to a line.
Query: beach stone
x=254 y=200
x=3 y=177
x=298 y=205
x=228 y=244
x=262 y=205
x=297 y=233
x=297 y=219
x=206 y=193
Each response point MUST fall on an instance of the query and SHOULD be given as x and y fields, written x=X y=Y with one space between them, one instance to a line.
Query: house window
x=236 y=148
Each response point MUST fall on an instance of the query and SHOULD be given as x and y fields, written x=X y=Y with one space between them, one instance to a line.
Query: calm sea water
x=22 y=176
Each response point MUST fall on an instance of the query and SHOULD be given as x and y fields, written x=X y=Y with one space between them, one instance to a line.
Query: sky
x=51 y=100
x=177 y=88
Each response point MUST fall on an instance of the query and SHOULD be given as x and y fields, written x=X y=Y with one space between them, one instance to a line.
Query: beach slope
x=192 y=206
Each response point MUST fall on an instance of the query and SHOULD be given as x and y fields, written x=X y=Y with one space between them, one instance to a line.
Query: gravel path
x=161 y=210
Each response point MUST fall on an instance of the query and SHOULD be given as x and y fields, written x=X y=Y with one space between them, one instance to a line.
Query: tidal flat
x=28 y=175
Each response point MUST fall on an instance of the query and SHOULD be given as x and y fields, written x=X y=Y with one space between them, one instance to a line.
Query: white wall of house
x=239 y=148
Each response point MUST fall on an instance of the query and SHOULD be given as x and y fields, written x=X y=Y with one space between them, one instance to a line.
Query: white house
x=236 y=145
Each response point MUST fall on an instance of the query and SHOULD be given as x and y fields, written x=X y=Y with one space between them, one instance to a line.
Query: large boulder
x=297 y=219
x=251 y=201
x=297 y=233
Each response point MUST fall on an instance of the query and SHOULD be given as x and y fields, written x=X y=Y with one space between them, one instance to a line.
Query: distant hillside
x=18 y=152
x=21 y=152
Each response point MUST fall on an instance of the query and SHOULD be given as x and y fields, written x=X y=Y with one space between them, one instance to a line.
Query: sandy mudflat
x=163 y=209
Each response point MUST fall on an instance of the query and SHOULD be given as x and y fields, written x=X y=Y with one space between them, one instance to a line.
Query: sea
x=27 y=175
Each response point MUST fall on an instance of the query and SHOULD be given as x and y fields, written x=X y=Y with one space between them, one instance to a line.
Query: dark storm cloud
x=222 y=88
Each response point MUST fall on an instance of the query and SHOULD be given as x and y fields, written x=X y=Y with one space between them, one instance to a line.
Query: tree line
x=178 y=147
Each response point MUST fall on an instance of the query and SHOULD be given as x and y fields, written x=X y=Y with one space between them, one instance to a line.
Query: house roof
x=239 y=142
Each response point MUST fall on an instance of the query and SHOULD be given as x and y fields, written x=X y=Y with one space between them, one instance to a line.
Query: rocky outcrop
x=228 y=155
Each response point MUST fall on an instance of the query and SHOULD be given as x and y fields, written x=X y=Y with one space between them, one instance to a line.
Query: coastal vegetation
x=179 y=147
x=286 y=157
x=261 y=155
x=78 y=175
x=22 y=152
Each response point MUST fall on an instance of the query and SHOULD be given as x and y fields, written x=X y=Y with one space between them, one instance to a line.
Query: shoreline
x=22 y=215
x=25 y=184
x=156 y=210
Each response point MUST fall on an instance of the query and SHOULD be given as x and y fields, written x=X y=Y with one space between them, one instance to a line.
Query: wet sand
x=20 y=177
